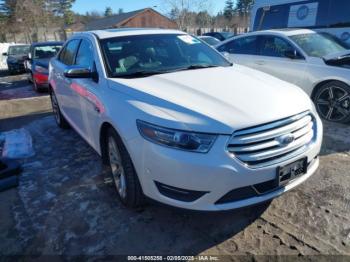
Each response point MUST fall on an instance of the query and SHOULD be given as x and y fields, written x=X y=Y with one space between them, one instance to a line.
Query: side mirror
x=78 y=72
x=292 y=54
x=4 y=54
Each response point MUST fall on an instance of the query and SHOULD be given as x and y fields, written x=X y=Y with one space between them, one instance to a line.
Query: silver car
x=317 y=62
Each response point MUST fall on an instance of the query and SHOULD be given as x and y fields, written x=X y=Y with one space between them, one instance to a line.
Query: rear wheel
x=60 y=120
x=332 y=101
x=123 y=172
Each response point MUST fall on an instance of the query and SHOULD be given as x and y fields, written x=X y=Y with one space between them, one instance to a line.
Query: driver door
x=88 y=93
x=271 y=58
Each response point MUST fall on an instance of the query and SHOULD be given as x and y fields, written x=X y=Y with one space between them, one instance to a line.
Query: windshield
x=210 y=40
x=319 y=44
x=162 y=53
x=48 y=51
x=18 y=50
x=227 y=34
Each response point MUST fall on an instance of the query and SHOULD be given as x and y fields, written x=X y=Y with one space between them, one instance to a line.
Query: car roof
x=206 y=36
x=281 y=32
x=47 y=43
x=284 y=32
x=109 y=33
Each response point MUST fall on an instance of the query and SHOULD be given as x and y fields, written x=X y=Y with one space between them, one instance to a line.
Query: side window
x=68 y=53
x=243 y=46
x=228 y=47
x=274 y=46
x=85 y=55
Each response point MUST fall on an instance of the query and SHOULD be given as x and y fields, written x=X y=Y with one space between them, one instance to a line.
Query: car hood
x=217 y=100
x=341 y=59
x=336 y=55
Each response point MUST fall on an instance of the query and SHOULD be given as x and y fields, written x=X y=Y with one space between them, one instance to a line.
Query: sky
x=82 y=6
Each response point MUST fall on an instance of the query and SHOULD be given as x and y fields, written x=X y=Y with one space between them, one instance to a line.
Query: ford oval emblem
x=286 y=139
x=303 y=12
x=345 y=36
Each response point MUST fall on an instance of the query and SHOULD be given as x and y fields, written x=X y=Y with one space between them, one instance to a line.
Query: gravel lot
x=66 y=204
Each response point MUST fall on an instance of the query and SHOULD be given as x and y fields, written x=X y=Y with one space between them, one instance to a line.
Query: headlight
x=189 y=141
x=41 y=69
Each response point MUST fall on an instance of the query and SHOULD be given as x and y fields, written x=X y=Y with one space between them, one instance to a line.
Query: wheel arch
x=319 y=85
x=103 y=142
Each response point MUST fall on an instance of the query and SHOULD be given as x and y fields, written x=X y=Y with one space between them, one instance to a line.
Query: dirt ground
x=66 y=204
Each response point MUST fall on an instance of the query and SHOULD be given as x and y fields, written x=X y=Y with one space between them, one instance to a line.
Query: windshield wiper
x=196 y=66
x=137 y=74
x=145 y=73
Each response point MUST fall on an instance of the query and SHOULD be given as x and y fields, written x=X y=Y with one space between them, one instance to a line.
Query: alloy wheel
x=117 y=167
x=333 y=103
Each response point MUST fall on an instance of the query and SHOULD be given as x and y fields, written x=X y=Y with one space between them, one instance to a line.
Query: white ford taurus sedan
x=177 y=123
x=319 y=63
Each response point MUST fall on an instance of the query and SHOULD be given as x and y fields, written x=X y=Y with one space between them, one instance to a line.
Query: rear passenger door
x=241 y=50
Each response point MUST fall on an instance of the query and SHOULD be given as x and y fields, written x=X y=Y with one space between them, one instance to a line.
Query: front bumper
x=16 y=67
x=215 y=173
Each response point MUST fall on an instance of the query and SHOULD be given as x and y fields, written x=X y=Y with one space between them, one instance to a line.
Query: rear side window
x=243 y=45
x=67 y=56
x=85 y=54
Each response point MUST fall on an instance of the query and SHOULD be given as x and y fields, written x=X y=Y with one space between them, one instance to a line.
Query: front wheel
x=60 y=120
x=123 y=172
x=332 y=102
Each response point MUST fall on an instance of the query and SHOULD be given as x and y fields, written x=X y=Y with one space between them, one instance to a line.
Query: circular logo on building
x=303 y=12
x=345 y=36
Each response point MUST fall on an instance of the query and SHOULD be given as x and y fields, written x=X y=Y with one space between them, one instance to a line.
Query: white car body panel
x=213 y=100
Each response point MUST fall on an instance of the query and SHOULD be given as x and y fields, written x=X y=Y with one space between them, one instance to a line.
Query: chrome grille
x=274 y=142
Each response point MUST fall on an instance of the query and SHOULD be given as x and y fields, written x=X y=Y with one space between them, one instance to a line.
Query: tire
x=123 y=171
x=332 y=101
x=9 y=168
x=36 y=87
x=30 y=78
x=60 y=119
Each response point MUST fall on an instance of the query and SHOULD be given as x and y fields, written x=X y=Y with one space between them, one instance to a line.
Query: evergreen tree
x=108 y=11
x=62 y=8
x=244 y=6
x=229 y=10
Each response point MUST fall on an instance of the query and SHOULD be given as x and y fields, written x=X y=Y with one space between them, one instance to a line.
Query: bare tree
x=182 y=11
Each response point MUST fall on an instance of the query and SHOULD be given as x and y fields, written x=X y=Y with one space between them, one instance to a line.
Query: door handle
x=260 y=62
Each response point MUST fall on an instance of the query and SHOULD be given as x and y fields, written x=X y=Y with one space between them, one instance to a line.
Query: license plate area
x=289 y=172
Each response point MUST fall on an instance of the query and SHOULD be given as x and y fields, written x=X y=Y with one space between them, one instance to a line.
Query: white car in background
x=212 y=41
x=319 y=63
x=179 y=124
